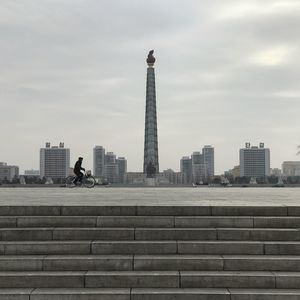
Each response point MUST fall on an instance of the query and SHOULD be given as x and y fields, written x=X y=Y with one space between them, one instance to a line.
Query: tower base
x=151 y=182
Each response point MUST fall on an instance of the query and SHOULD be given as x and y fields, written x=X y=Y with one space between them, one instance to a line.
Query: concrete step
x=149 y=294
x=118 y=210
x=150 y=221
x=259 y=234
x=41 y=279
x=192 y=279
x=134 y=247
x=239 y=247
x=15 y=294
x=264 y=294
x=116 y=279
x=188 y=247
x=175 y=234
x=150 y=279
x=149 y=247
x=239 y=279
x=214 y=294
x=104 y=279
x=221 y=247
x=255 y=234
x=66 y=263
x=217 y=262
x=177 y=262
x=45 y=247
x=149 y=263
x=81 y=294
x=42 y=234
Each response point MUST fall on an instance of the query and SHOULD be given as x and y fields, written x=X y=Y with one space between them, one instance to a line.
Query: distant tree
x=242 y=180
x=272 y=179
x=217 y=180
x=15 y=180
x=293 y=179
x=5 y=180
x=261 y=180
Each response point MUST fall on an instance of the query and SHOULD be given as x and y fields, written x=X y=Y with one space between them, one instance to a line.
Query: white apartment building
x=8 y=172
x=291 y=168
x=32 y=172
x=54 y=161
x=255 y=161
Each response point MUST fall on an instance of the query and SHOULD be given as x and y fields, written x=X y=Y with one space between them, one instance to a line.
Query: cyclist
x=77 y=171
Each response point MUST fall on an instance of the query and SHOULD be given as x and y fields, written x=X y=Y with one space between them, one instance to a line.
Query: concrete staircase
x=149 y=253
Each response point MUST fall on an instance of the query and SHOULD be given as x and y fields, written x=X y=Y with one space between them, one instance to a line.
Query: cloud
x=74 y=71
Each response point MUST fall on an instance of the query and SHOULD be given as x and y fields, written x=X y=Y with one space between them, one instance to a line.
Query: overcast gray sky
x=227 y=72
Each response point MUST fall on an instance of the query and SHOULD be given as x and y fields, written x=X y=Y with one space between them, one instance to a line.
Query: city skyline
x=197 y=166
x=206 y=156
x=226 y=73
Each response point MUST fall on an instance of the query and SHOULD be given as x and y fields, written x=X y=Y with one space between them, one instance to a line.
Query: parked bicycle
x=87 y=180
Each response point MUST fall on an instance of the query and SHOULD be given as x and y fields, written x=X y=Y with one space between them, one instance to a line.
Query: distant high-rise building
x=32 y=172
x=109 y=158
x=8 y=172
x=186 y=168
x=291 y=168
x=111 y=168
x=198 y=167
x=54 y=161
x=122 y=168
x=112 y=173
x=236 y=171
x=174 y=177
x=276 y=172
x=106 y=165
x=254 y=161
x=209 y=160
x=99 y=161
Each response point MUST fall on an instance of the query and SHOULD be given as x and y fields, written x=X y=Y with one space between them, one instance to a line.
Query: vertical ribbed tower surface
x=151 y=165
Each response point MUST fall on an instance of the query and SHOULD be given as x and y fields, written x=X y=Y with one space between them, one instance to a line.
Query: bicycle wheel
x=89 y=182
x=69 y=181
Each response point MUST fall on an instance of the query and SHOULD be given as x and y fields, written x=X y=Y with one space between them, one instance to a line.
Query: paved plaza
x=152 y=196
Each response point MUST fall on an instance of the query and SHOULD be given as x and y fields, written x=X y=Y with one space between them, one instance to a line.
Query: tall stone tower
x=151 y=166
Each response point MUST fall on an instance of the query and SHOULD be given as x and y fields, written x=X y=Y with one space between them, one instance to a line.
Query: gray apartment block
x=199 y=166
x=255 y=161
x=54 y=161
x=8 y=172
x=208 y=153
x=186 y=168
x=108 y=166
x=99 y=161
x=122 y=167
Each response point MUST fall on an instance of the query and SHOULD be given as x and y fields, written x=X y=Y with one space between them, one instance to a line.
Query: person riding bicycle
x=77 y=171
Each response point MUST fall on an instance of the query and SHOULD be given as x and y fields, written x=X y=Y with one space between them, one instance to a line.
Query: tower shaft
x=151 y=164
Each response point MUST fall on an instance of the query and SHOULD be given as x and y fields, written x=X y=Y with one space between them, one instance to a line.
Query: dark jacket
x=77 y=167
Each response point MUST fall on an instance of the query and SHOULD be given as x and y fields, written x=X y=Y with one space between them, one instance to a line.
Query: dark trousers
x=79 y=176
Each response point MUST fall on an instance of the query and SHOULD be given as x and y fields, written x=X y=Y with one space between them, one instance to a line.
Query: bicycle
x=88 y=180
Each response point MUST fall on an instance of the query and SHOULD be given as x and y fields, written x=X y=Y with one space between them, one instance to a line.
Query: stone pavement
x=151 y=196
